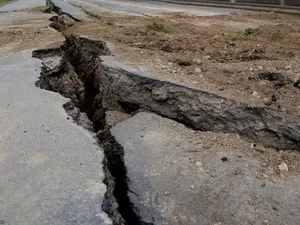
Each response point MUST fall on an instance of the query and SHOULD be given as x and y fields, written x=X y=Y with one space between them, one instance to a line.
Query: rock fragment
x=283 y=167
x=275 y=77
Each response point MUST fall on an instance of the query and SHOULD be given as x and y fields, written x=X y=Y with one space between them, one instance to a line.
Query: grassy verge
x=3 y=1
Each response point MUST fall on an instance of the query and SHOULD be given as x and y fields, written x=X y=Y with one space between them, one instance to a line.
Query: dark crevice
x=129 y=107
x=115 y=165
x=75 y=80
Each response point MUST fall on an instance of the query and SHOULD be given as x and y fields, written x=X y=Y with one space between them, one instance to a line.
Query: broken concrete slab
x=63 y=7
x=197 y=108
x=51 y=170
x=177 y=176
x=52 y=65
x=114 y=117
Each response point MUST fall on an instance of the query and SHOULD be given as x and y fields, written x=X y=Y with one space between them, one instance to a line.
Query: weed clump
x=252 y=31
x=157 y=27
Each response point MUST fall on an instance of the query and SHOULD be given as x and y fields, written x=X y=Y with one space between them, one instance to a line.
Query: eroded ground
x=222 y=54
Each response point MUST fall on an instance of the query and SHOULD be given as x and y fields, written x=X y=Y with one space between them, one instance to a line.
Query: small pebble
x=224 y=159
x=261 y=83
x=207 y=57
x=198 y=164
x=167 y=193
x=198 y=70
x=283 y=167
x=253 y=145
x=193 y=187
x=266 y=100
x=255 y=94
x=288 y=67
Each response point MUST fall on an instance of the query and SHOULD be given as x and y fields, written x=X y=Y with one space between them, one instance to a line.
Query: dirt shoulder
x=27 y=29
x=221 y=54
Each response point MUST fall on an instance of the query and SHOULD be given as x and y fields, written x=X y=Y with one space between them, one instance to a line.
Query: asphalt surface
x=177 y=176
x=150 y=7
x=50 y=168
x=22 y=4
x=70 y=9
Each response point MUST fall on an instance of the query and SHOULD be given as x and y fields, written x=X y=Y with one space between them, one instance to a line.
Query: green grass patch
x=157 y=27
x=252 y=32
x=3 y=1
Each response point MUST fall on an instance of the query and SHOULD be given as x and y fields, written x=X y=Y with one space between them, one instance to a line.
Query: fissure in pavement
x=96 y=85
x=70 y=71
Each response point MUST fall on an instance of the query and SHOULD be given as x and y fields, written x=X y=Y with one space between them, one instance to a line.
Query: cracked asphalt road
x=50 y=168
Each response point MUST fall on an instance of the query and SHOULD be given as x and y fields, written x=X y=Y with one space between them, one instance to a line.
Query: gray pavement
x=71 y=10
x=150 y=7
x=7 y=18
x=181 y=177
x=50 y=168
x=22 y=4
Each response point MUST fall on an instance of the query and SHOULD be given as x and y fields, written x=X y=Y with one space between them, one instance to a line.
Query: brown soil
x=208 y=143
x=218 y=53
x=29 y=33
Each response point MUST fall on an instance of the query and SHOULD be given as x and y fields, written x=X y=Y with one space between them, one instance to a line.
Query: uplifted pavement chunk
x=178 y=176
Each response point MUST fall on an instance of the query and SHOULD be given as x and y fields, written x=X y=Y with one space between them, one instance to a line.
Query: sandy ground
x=26 y=29
x=222 y=54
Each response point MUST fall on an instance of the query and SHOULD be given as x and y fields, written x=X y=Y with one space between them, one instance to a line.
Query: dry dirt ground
x=28 y=29
x=221 y=54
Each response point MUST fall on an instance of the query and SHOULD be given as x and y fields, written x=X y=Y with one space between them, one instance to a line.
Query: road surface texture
x=50 y=168
x=150 y=7
x=194 y=178
x=220 y=146
x=19 y=5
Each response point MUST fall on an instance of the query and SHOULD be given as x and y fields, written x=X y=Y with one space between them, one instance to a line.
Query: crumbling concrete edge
x=196 y=108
